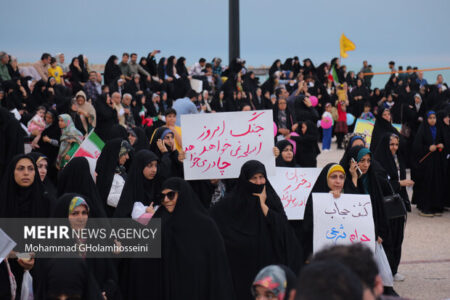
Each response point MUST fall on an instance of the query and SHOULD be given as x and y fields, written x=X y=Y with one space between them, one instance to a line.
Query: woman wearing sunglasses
x=193 y=262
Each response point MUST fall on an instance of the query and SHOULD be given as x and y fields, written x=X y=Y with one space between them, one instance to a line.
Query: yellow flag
x=346 y=45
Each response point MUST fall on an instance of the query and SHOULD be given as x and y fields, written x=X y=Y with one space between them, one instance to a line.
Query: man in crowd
x=126 y=103
x=92 y=87
x=41 y=66
x=136 y=68
x=125 y=67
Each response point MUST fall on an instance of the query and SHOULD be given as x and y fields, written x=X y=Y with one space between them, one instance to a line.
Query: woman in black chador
x=193 y=264
x=429 y=168
x=76 y=178
x=255 y=228
x=394 y=165
x=22 y=197
x=111 y=172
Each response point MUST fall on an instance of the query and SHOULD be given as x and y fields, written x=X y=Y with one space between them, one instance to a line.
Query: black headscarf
x=274 y=67
x=380 y=128
x=22 y=202
x=181 y=67
x=11 y=139
x=76 y=178
x=107 y=166
x=53 y=132
x=161 y=69
x=194 y=263
x=280 y=162
x=137 y=188
x=376 y=196
x=142 y=141
x=253 y=240
x=68 y=276
x=307 y=148
x=49 y=188
x=106 y=117
x=349 y=146
x=385 y=158
x=112 y=71
x=429 y=173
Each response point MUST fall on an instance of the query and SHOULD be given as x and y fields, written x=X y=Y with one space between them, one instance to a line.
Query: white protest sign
x=218 y=144
x=342 y=221
x=6 y=245
x=293 y=186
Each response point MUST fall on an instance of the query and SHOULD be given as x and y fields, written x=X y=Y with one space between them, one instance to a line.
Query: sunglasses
x=170 y=195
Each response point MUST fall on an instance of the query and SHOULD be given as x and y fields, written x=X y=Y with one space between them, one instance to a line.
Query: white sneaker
x=399 y=277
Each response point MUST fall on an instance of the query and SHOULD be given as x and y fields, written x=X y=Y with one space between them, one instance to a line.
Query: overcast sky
x=407 y=31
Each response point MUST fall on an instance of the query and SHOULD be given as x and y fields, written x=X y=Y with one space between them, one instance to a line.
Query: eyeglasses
x=170 y=195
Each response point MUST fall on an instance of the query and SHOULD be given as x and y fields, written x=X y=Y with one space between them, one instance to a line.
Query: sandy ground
x=426 y=251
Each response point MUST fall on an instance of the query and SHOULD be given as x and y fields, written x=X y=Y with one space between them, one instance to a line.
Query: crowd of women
x=216 y=234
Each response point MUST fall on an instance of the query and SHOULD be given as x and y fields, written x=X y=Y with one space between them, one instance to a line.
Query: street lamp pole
x=233 y=27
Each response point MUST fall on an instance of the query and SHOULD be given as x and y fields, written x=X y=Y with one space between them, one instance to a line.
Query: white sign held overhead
x=218 y=144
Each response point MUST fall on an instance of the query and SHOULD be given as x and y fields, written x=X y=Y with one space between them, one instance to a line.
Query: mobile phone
x=358 y=170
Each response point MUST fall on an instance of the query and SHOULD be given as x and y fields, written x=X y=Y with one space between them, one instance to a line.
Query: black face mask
x=254 y=188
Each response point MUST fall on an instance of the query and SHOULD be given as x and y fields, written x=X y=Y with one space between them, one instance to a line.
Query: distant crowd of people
x=221 y=239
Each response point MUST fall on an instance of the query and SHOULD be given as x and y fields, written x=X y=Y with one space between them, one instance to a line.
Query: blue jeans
x=326 y=140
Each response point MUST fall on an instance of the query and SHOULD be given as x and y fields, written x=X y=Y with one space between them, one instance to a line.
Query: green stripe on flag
x=96 y=140
x=334 y=74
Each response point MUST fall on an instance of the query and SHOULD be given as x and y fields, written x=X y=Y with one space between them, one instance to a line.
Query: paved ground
x=426 y=251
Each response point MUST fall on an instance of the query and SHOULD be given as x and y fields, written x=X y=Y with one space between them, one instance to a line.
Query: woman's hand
x=379 y=240
x=336 y=194
x=150 y=209
x=262 y=200
x=46 y=139
x=406 y=182
x=440 y=146
x=181 y=156
x=276 y=151
x=26 y=264
x=294 y=127
x=284 y=131
x=161 y=146
x=353 y=167
x=432 y=148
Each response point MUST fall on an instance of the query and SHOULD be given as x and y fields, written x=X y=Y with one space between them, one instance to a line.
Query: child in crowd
x=37 y=124
x=367 y=114
x=327 y=132
x=55 y=71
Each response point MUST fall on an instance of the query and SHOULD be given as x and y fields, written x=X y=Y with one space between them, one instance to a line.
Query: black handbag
x=394 y=205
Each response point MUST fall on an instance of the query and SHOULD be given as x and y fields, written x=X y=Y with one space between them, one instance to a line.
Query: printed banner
x=218 y=144
x=366 y=127
x=293 y=186
x=342 y=221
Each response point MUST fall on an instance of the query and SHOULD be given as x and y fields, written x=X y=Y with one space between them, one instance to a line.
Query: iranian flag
x=90 y=149
x=333 y=75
